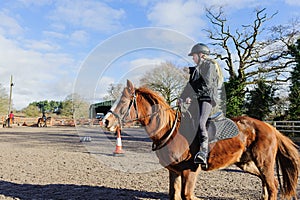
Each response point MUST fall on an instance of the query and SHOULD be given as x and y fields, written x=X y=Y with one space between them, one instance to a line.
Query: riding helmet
x=200 y=48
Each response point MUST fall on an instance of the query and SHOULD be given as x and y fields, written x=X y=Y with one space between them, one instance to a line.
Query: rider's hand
x=188 y=100
x=179 y=102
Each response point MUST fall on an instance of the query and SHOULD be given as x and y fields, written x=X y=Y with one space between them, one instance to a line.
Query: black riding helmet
x=200 y=48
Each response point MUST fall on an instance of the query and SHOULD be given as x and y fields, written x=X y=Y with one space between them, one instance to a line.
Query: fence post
x=293 y=129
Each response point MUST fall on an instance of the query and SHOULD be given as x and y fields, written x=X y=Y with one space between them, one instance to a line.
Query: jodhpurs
x=205 y=110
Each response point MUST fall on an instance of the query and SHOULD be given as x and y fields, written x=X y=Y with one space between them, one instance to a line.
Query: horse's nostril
x=106 y=122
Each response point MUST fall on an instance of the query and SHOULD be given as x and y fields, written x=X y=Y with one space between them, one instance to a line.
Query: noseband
x=121 y=119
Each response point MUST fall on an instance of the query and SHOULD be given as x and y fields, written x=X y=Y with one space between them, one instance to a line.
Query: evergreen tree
x=260 y=100
x=235 y=95
x=294 y=96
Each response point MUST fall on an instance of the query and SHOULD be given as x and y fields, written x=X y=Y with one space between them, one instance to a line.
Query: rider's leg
x=8 y=122
x=205 y=110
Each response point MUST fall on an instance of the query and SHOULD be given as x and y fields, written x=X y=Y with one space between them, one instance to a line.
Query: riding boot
x=202 y=155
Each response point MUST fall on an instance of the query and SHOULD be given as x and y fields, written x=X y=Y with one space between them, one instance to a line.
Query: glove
x=188 y=100
x=179 y=102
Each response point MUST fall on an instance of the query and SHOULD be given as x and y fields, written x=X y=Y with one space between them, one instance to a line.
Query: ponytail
x=220 y=75
x=219 y=71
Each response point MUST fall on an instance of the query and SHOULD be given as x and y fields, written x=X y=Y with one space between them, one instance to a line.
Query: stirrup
x=200 y=158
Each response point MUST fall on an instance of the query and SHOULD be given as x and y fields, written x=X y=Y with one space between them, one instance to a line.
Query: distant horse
x=256 y=149
x=42 y=122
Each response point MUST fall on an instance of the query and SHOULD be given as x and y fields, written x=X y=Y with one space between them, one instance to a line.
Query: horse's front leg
x=189 y=178
x=174 y=186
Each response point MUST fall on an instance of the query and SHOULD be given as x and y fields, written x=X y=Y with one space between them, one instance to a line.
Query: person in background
x=44 y=116
x=10 y=119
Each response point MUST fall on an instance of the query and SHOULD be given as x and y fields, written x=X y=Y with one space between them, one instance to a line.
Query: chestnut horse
x=42 y=122
x=256 y=149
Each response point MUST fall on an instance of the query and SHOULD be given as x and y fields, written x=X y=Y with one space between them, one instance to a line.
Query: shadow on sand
x=70 y=191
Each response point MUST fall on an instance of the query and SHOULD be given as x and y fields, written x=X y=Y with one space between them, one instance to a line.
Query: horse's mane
x=166 y=115
x=152 y=96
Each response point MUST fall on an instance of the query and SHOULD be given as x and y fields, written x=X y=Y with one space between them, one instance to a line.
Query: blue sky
x=51 y=47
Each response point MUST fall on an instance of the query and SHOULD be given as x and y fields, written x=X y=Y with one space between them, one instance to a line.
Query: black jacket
x=204 y=81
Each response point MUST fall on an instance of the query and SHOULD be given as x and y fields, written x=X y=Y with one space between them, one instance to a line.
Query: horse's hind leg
x=271 y=183
x=251 y=168
x=174 y=186
x=264 y=169
x=264 y=155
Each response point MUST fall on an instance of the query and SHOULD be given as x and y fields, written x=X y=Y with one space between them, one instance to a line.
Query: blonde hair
x=219 y=71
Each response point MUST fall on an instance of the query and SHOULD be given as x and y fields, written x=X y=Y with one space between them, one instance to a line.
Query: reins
x=162 y=143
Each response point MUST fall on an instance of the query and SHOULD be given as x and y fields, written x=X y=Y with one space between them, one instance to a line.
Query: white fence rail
x=287 y=127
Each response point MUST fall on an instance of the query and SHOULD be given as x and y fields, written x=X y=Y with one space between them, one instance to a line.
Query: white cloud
x=293 y=2
x=189 y=16
x=80 y=36
x=41 y=45
x=37 y=76
x=90 y=14
x=9 y=26
x=235 y=4
x=183 y=16
x=143 y=2
x=135 y=70
x=101 y=88
x=54 y=35
x=35 y=3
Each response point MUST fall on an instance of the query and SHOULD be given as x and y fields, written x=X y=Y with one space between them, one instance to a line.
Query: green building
x=100 y=108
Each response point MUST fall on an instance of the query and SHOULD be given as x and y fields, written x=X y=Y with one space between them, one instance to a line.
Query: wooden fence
x=290 y=128
x=32 y=121
x=54 y=121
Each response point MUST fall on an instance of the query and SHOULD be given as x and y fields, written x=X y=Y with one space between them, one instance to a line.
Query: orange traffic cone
x=118 y=150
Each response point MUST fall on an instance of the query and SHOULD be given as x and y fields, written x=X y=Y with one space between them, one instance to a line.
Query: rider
x=205 y=79
x=44 y=116
x=10 y=119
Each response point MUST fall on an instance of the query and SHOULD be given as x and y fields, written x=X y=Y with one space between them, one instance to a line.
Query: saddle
x=219 y=127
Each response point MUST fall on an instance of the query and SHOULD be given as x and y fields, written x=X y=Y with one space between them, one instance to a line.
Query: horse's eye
x=122 y=111
x=122 y=101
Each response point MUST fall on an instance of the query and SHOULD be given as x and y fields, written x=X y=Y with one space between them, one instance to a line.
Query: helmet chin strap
x=199 y=59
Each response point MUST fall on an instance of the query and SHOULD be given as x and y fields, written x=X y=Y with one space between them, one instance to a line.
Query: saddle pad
x=225 y=128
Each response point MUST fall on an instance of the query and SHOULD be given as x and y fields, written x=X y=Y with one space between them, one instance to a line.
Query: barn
x=100 y=108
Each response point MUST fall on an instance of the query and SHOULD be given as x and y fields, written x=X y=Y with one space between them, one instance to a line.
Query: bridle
x=121 y=119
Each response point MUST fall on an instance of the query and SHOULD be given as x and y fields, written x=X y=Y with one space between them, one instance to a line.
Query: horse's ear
x=130 y=86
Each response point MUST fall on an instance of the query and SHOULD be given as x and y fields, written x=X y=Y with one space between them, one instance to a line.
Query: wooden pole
x=10 y=94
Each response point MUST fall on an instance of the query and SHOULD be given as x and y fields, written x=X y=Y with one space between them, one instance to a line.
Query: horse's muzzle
x=108 y=122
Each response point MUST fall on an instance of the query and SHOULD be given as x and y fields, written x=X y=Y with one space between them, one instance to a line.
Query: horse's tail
x=288 y=162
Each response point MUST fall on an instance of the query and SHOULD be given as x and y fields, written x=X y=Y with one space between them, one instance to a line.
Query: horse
x=42 y=122
x=256 y=149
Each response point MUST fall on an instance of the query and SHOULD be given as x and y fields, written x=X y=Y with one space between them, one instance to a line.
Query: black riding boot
x=202 y=155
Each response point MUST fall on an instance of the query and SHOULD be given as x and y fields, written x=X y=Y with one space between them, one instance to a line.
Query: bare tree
x=114 y=91
x=75 y=106
x=166 y=79
x=3 y=100
x=248 y=57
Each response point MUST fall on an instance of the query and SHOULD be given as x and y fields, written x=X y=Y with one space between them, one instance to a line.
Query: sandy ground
x=52 y=163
